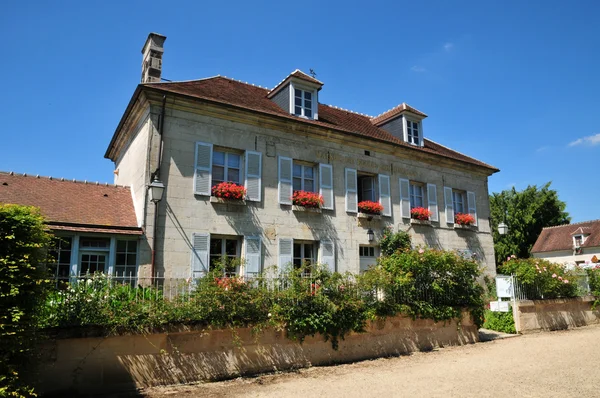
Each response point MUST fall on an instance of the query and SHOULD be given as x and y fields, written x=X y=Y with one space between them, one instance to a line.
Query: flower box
x=370 y=208
x=306 y=209
x=306 y=199
x=420 y=222
x=229 y=191
x=464 y=227
x=369 y=216
x=420 y=214
x=464 y=219
x=237 y=202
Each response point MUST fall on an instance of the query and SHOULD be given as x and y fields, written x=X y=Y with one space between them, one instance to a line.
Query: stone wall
x=95 y=365
x=558 y=314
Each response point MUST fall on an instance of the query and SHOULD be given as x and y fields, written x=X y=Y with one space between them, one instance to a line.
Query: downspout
x=156 y=174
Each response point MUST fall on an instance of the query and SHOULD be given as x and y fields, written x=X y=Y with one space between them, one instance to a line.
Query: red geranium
x=307 y=199
x=369 y=207
x=464 y=219
x=420 y=213
x=229 y=190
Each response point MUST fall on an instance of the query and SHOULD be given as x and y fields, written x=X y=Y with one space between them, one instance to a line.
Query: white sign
x=504 y=286
x=499 y=306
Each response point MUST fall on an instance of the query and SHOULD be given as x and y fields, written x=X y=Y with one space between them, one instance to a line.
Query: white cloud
x=417 y=69
x=448 y=47
x=542 y=149
x=589 y=141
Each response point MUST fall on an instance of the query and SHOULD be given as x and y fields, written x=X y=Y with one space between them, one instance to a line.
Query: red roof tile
x=561 y=237
x=76 y=204
x=385 y=116
x=242 y=95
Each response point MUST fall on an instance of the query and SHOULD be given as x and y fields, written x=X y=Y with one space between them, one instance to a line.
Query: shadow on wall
x=473 y=244
x=429 y=235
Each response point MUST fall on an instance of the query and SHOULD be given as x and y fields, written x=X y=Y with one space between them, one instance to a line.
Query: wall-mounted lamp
x=370 y=235
x=156 y=188
x=502 y=228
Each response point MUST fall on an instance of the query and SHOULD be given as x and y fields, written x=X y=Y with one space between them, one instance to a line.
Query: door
x=91 y=262
x=368 y=257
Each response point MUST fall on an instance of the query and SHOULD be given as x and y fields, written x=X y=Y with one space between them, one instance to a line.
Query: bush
x=499 y=321
x=541 y=279
x=23 y=286
x=392 y=242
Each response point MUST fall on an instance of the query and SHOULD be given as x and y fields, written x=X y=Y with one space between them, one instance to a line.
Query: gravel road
x=550 y=364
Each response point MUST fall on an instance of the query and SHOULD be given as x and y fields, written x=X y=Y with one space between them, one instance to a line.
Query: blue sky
x=513 y=84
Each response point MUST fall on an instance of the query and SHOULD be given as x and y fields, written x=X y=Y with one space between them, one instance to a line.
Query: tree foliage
x=23 y=243
x=526 y=213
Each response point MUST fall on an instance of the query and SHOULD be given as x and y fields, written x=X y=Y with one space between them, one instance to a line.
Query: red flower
x=369 y=207
x=420 y=213
x=464 y=219
x=229 y=190
x=307 y=199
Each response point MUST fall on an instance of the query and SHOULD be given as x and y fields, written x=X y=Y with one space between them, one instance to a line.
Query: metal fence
x=518 y=291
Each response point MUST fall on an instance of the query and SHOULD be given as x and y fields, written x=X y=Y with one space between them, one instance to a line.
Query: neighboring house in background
x=96 y=222
x=572 y=244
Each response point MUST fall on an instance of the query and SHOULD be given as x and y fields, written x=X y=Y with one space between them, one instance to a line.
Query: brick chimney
x=152 y=58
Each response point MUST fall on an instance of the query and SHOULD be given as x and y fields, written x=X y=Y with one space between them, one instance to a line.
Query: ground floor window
x=225 y=251
x=60 y=254
x=92 y=262
x=126 y=258
x=367 y=257
x=305 y=254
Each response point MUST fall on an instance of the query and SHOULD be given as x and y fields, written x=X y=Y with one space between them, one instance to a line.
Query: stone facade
x=181 y=213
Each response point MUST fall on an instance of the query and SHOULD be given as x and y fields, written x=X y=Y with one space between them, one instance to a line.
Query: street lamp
x=502 y=228
x=156 y=188
x=370 y=235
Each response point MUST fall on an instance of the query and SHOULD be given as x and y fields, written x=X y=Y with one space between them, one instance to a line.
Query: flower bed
x=229 y=190
x=464 y=219
x=369 y=207
x=420 y=213
x=307 y=199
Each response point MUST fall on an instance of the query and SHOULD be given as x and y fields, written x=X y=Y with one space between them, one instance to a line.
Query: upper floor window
x=304 y=177
x=226 y=167
x=303 y=103
x=366 y=188
x=416 y=195
x=458 y=201
x=412 y=129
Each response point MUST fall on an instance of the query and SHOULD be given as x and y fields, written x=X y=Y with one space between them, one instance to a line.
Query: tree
x=526 y=213
x=23 y=284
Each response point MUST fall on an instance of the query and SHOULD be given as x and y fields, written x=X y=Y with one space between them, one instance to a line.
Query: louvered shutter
x=286 y=249
x=285 y=180
x=252 y=255
x=253 y=176
x=326 y=185
x=449 y=205
x=432 y=202
x=404 y=198
x=200 y=249
x=351 y=191
x=384 y=195
x=472 y=206
x=328 y=254
x=203 y=168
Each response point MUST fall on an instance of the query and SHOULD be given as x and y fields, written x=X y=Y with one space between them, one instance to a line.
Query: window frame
x=303 y=166
x=413 y=126
x=58 y=249
x=127 y=253
x=360 y=176
x=463 y=201
x=303 y=100
x=412 y=185
x=303 y=258
x=223 y=252
x=227 y=152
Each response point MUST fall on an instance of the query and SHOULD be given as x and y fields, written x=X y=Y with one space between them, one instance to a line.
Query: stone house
x=570 y=244
x=193 y=135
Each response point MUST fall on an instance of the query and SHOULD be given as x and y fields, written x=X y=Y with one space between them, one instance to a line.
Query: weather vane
x=313 y=73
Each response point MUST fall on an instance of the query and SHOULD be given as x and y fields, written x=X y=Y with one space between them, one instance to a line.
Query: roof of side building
x=561 y=237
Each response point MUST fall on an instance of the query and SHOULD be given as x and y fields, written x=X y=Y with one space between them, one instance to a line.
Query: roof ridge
x=347 y=110
x=404 y=106
x=208 y=78
x=290 y=74
x=570 y=225
x=62 y=179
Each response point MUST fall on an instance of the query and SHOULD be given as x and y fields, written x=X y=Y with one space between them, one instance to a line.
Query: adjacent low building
x=571 y=244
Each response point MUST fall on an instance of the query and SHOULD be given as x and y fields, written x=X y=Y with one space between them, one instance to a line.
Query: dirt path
x=552 y=364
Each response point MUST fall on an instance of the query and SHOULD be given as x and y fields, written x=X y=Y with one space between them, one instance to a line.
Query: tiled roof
x=561 y=237
x=82 y=206
x=387 y=115
x=243 y=95
x=299 y=75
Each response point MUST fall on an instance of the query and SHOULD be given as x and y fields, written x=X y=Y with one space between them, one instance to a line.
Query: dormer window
x=303 y=101
x=412 y=132
x=578 y=240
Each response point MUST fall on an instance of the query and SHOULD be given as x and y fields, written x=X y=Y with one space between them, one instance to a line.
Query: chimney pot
x=152 y=58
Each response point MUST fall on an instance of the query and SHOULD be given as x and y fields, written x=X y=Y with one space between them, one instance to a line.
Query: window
x=458 y=201
x=366 y=251
x=61 y=254
x=92 y=262
x=367 y=257
x=225 y=249
x=416 y=195
x=304 y=178
x=303 y=103
x=412 y=130
x=578 y=240
x=94 y=243
x=126 y=259
x=366 y=188
x=304 y=254
x=225 y=167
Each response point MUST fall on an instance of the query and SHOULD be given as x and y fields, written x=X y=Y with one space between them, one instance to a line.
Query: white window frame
x=412 y=187
x=457 y=193
x=303 y=107
x=575 y=240
x=224 y=239
x=359 y=186
x=226 y=166
x=302 y=257
x=303 y=166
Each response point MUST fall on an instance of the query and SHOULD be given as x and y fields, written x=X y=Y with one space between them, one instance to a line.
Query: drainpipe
x=161 y=122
